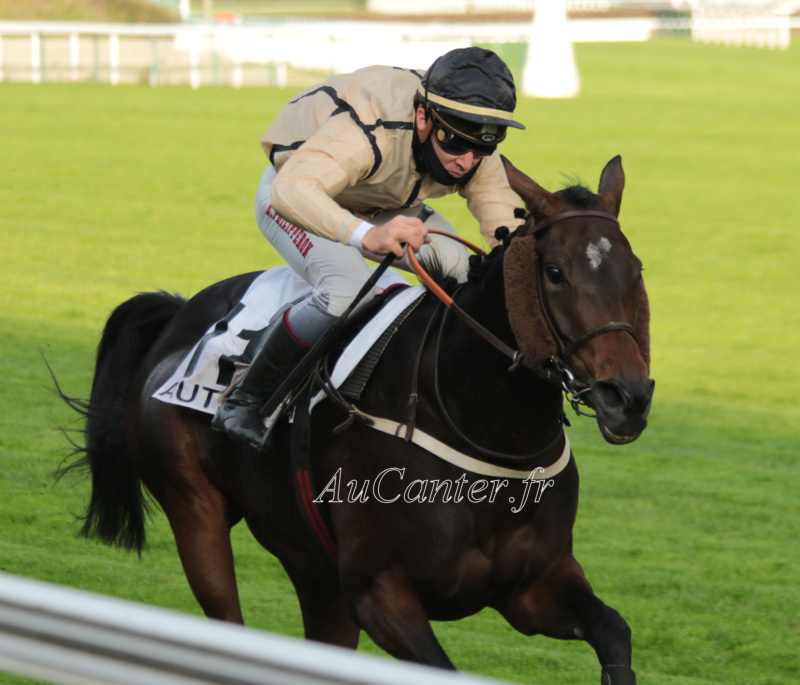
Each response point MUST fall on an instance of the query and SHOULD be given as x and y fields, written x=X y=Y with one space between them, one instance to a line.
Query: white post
x=550 y=70
x=2 y=75
x=784 y=38
x=36 y=58
x=113 y=58
x=194 y=66
x=238 y=76
x=74 y=56
x=185 y=9
x=154 y=65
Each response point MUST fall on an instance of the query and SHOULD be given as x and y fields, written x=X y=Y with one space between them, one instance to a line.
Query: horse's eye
x=554 y=273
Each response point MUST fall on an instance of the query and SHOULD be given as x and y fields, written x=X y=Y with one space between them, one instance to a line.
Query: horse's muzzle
x=622 y=408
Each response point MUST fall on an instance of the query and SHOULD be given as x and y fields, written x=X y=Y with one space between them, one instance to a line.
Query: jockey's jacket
x=343 y=152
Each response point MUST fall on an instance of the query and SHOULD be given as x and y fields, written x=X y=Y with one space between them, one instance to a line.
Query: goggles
x=482 y=144
x=454 y=144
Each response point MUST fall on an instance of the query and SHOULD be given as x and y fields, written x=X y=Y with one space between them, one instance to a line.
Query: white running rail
x=63 y=635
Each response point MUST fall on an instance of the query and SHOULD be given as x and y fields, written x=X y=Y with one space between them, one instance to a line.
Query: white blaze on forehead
x=597 y=251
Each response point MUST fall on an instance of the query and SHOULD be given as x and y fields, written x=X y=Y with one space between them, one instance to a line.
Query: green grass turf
x=691 y=532
x=87 y=10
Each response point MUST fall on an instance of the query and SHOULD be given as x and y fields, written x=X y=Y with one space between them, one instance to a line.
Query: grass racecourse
x=691 y=532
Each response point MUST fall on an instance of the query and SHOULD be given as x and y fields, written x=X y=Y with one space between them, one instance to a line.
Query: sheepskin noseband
x=520 y=273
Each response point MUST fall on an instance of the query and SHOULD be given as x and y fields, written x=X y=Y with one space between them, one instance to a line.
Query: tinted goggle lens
x=454 y=144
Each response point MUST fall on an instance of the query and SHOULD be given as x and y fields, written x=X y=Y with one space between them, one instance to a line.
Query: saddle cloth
x=206 y=373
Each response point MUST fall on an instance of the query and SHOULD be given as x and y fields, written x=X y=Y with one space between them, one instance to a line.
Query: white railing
x=227 y=9
x=300 y=53
x=752 y=27
x=272 y=54
x=478 y=7
x=137 y=53
x=62 y=635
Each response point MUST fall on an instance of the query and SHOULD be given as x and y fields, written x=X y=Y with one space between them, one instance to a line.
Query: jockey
x=353 y=159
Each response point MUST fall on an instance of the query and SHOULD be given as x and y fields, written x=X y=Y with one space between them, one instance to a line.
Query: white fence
x=298 y=53
x=138 y=53
x=744 y=27
x=62 y=635
x=278 y=53
x=478 y=7
x=254 y=8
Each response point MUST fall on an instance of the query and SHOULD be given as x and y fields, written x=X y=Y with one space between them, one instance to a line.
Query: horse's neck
x=474 y=376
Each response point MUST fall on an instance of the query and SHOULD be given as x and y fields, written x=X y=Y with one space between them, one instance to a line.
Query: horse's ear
x=538 y=201
x=612 y=182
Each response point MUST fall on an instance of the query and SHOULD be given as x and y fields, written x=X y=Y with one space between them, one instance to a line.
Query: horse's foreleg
x=562 y=605
x=326 y=615
x=202 y=533
x=389 y=610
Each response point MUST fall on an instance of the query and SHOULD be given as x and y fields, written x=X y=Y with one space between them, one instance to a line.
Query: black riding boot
x=239 y=415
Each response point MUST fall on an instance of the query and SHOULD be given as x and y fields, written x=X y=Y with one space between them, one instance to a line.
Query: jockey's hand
x=389 y=237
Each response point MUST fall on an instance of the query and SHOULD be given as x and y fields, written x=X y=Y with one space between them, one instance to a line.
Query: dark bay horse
x=418 y=537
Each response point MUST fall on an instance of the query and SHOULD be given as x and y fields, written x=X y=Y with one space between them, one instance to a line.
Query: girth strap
x=315 y=516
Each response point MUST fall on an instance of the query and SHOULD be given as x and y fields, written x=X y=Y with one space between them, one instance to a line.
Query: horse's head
x=577 y=303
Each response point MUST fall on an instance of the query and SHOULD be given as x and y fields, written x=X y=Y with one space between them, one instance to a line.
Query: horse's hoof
x=617 y=675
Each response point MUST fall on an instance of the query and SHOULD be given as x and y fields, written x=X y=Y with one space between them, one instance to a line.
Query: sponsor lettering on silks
x=180 y=393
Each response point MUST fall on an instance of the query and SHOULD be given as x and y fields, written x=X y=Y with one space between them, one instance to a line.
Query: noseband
x=574 y=388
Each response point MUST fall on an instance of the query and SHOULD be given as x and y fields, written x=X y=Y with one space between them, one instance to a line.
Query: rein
x=500 y=456
x=515 y=356
x=424 y=276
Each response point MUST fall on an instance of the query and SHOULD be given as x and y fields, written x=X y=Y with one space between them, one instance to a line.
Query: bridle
x=557 y=365
x=573 y=388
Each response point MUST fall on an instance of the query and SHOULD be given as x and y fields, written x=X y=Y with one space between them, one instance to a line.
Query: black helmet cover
x=471 y=84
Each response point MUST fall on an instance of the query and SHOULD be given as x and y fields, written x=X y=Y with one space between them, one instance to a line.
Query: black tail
x=117 y=510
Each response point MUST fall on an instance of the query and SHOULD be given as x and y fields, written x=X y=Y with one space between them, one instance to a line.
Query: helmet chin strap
x=429 y=163
x=435 y=169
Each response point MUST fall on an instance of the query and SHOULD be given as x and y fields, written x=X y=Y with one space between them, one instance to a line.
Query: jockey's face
x=455 y=165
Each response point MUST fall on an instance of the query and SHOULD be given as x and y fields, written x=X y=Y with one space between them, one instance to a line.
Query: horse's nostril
x=610 y=396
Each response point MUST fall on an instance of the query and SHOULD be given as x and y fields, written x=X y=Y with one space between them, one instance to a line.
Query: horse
x=411 y=536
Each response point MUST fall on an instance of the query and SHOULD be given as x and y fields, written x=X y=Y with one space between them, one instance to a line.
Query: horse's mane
x=436 y=271
x=479 y=266
x=579 y=196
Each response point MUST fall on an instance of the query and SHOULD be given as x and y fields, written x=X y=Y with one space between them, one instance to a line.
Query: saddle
x=214 y=364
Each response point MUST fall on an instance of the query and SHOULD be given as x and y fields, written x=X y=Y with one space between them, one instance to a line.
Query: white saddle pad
x=196 y=381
